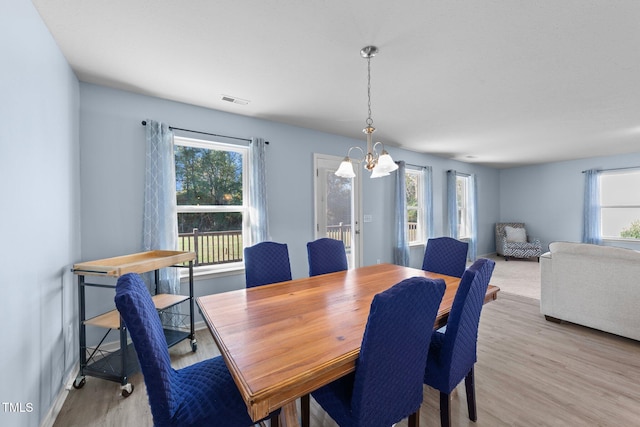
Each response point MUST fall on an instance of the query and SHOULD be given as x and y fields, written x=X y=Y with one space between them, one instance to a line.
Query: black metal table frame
x=125 y=358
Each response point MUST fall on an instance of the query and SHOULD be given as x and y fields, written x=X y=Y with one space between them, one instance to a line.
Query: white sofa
x=591 y=285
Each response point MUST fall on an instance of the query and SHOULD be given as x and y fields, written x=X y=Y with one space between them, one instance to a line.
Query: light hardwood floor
x=530 y=372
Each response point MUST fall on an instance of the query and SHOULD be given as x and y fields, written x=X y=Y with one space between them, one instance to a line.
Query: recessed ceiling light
x=235 y=100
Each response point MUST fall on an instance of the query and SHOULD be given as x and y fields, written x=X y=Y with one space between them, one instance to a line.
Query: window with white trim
x=462 y=195
x=212 y=200
x=414 y=185
x=620 y=204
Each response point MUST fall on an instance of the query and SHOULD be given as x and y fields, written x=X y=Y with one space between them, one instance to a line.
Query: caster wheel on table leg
x=79 y=383
x=127 y=390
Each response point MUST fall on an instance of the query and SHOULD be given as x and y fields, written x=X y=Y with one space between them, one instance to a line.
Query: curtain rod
x=415 y=166
x=144 y=123
x=460 y=173
x=616 y=169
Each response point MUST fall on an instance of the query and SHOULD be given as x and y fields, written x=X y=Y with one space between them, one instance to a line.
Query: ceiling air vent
x=235 y=100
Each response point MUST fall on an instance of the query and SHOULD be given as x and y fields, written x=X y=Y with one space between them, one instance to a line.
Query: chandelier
x=378 y=164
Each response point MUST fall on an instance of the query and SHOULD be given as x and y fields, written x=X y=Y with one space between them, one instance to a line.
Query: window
x=462 y=197
x=620 y=204
x=212 y=198
x=414 y=184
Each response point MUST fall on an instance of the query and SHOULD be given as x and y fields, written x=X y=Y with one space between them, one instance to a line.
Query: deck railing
x=413 y=231
x=221 y=247
x=212 y=247
x=343 y=232
x=340 y=232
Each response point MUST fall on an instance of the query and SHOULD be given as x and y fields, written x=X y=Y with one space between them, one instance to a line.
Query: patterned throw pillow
x=516 y=234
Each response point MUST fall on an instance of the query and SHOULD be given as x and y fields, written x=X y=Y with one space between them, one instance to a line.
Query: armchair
x=512 y=240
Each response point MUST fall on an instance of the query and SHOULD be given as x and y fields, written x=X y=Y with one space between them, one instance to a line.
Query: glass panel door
x=337 y=206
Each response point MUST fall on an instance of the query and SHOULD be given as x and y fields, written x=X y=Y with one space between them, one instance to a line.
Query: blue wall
x=40 y=216
x=549 y=197
x=112 y=176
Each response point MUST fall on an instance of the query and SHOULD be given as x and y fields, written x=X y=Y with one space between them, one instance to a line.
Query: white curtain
x=160 y=226
x=258 y=218
x=401 y=249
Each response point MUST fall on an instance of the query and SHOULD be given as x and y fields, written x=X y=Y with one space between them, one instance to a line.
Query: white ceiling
x=495 y=82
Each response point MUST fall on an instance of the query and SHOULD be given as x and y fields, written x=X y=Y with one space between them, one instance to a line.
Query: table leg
x=289 y=415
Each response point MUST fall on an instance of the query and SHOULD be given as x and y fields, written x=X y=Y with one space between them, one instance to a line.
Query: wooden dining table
x=285 y=340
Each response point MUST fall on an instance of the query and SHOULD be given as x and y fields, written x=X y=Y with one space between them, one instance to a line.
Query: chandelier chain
x=369 y=119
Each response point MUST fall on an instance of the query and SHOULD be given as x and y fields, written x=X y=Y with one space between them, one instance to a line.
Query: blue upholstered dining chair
x=445 y=255
x=452 y=354
x=202 y=394
x=265 y=263
x=326 y=256
x=386 y=386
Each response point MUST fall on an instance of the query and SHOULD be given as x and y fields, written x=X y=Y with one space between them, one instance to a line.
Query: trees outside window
x=211 y=192
x=338 y=213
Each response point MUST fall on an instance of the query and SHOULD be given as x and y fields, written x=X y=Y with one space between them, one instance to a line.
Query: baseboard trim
x=56 y=407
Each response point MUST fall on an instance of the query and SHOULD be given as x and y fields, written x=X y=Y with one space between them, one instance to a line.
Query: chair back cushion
x=518 y=235
x=326 y=256
x=265 y=263
x=457 y=349
x=445 y=255
x=389 y=371
x=501 y=234
x=136 y=308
